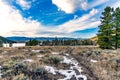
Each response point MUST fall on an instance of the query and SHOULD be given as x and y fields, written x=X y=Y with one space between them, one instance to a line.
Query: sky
x=52 y=18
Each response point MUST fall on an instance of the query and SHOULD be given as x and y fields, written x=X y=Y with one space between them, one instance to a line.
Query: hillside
x=94 y=38
x=4 y=40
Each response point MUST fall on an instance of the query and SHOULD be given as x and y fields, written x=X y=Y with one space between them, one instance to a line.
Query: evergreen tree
x=32 y=43
x=47 y=43
x=56 y=41
x=116 y=21
x=105 y=29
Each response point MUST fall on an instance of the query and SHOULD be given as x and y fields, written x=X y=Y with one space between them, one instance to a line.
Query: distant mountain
x=5 y=40
x=19 y=39
x=24 y=39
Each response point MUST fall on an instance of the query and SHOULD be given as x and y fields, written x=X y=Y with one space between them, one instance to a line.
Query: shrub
x=8 y=63
x=22 y=78
x=40 y=71
x=17 y=58
x=32 y=54
x=55 y=59
x=19 y=68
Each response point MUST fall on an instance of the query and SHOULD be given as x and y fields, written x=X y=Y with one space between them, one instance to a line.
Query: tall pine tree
x=116 y=22
x=105 y=29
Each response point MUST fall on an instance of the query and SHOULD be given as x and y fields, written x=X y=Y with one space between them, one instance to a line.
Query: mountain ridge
x=24 y=39
x=5 y=40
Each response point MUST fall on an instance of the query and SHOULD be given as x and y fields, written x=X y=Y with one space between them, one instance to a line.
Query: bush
x=17 y=58
x=19 y=68
x=22 y=78
x=55 y=59
x=40 y=71
x=8 y=63
x=38 y=74
x=32 y=54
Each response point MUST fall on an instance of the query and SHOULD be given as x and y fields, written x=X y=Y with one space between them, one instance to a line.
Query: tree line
x=57 y=42
x=109 y=29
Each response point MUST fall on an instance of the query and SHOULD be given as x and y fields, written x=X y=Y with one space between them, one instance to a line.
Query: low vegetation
x=19 y=64
x=54 y=59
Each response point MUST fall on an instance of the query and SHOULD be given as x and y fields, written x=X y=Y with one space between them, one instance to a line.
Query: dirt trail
x=86 y=69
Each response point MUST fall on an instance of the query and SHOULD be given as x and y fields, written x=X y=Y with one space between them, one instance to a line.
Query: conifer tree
x=116 y=22
x=105 y=29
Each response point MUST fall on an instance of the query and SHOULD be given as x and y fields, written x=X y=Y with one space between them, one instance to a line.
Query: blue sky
x=50 y=18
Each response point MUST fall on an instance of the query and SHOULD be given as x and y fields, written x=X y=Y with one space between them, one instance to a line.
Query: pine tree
x=116 y=21
x=32 y=43
x=56 y=41
x=105 y=29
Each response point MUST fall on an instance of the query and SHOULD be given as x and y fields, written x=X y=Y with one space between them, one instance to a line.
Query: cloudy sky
x=50 y=18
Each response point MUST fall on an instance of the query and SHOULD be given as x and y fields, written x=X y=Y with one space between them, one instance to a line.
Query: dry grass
x=107 y=66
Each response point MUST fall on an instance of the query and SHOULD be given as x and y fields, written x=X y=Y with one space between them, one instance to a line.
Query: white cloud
x=67 y=29
x=81 y=23
x=85 y=22
x=12 y=23
x=24 y=4
x=95 y=3
x=84 y=5
x=117 y=4
x=69 y=6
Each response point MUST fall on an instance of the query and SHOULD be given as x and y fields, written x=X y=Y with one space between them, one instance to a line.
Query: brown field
x=28 y=63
